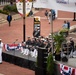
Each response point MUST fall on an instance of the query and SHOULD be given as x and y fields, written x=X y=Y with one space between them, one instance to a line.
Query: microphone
x=15 y=41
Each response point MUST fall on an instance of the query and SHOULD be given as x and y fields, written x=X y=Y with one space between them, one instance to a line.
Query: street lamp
x=51 y=25
x=24 y=13
x=74 y=17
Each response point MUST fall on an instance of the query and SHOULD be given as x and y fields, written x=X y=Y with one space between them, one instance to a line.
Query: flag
x=8 y=47
x=65 y=70
x=75 y=71
x=28 y=6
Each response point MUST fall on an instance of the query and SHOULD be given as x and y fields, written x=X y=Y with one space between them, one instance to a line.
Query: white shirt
x=1 y=45
x=65 y=25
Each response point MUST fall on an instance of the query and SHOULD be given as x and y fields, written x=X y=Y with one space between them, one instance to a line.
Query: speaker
x=64 y=59
x=42 y=57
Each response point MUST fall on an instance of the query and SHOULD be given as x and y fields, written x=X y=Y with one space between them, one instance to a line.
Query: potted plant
x=58 y=39
x=64 y=31
x=50 y=65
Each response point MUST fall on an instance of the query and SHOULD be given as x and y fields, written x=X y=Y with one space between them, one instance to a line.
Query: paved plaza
x=10 y=34
x=15 y=31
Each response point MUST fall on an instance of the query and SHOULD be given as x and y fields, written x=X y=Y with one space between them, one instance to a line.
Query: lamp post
x=51 y=25
x=74 y=17
x=24 y=13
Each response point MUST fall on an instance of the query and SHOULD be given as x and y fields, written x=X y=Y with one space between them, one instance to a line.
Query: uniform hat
x=28 y=37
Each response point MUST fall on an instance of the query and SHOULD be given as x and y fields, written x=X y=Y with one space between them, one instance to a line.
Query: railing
x=5 y=2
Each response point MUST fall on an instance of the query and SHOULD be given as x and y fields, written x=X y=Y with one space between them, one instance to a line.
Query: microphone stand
x=14 y=50
x=14 y=45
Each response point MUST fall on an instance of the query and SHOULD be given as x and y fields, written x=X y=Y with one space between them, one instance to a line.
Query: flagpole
x=24 y=13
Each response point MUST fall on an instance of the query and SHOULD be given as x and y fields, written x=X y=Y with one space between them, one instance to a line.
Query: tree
x=58 y=39
x=50 y=65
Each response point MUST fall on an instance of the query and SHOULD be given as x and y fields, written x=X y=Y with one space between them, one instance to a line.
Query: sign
x=28 y=6
x=66 y=70
x=36 y=31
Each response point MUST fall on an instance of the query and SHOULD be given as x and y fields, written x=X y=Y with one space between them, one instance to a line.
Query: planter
x=58 y=57
x=65 y=33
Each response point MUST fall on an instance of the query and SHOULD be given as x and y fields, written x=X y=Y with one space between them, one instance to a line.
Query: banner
x=8 y=47
x=36 y=31
x=66 y=70
x=64 y=5
x=28 y=6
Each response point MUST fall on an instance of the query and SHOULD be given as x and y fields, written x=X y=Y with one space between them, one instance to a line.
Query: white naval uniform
x=49 y=16
x=1 y=45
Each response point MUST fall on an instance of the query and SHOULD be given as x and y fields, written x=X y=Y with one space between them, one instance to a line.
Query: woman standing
x=1 y=45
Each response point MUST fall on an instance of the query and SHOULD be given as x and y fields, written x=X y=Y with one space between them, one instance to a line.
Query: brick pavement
x=10 y=34
x=11 y=69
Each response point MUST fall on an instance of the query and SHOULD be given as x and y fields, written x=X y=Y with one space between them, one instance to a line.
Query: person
x=68 y=23
x=9 y=19
x=23 y=46
x=28 y=42
x=65 y=25
x=11 y=2
x=46 y=14
x=31 y=13
x=1 y=46
x=72 y=46
x=53 y=14
x=49 y=16
x=72 y=43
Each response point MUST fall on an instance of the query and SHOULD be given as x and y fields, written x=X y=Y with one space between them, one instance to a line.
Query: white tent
x=64 y=5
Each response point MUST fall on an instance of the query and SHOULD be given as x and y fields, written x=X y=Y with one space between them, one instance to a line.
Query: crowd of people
x=30 y=47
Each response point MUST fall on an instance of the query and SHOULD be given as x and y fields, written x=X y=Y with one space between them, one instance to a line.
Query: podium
x=40 y=68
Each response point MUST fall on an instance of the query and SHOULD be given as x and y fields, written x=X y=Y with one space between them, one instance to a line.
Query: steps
x=2 y=21
x=1 y=74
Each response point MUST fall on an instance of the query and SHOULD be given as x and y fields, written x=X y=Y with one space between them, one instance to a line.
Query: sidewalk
x=11 y=69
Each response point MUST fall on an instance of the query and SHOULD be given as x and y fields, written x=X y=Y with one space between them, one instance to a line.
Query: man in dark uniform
x=9 y=19
x=28 y=42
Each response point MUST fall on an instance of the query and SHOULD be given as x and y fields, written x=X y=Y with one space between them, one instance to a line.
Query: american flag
x=65 y=70
x=8 y=47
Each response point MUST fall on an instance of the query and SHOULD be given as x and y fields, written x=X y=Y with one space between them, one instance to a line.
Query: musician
x=28 y=42
x=23 y=46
